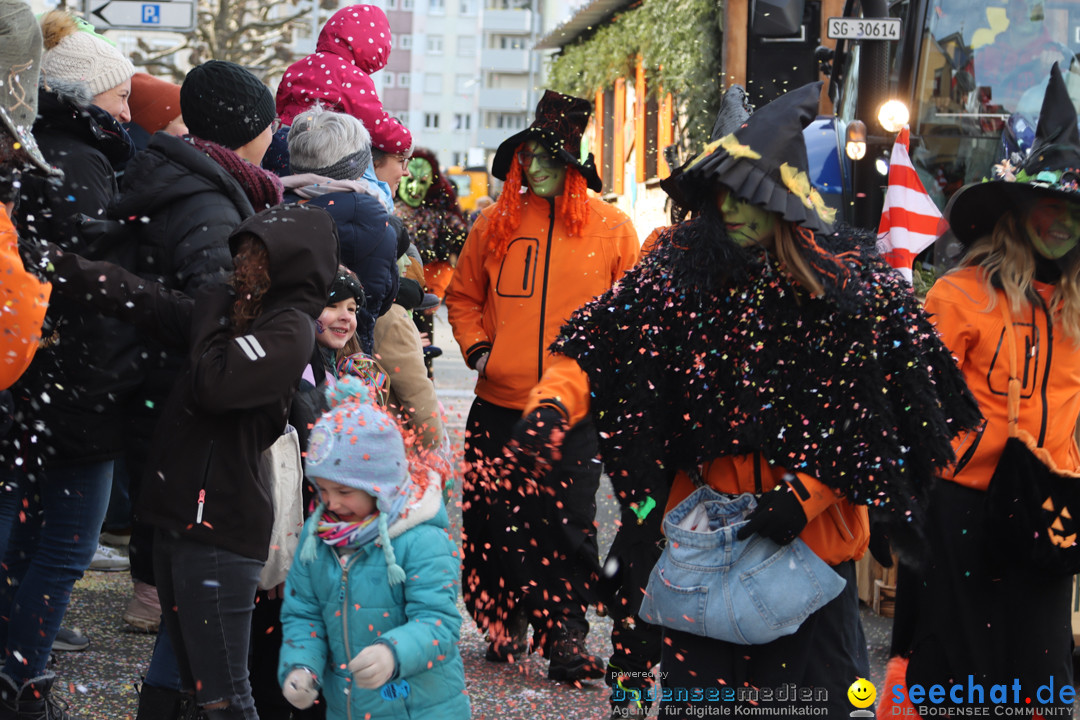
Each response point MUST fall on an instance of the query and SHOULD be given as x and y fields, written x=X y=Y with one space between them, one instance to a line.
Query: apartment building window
x=431 y=121
x=462 y=121
x=459 y=158
x=391 y=4
x=404 y=80
x=435 y=44
x=507 y=4
x=508 y=42
x=437 y=7
x=466 y=45
x=433 y=83
x=388 y=80
x=406 y=4
x=467 y=7
x=404 y=42
x=509 y=121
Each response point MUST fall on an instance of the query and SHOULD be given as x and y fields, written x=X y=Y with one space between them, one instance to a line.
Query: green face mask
x=545 y=174
x=1053 y=227
x=746 y=224
x=413 y=189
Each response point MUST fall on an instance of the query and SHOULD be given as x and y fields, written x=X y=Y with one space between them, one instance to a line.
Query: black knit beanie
x=224 y=103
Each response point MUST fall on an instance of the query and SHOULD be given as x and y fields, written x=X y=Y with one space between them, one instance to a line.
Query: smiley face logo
x=862 y=693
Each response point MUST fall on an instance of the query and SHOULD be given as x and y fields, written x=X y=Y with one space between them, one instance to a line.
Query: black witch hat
x=559 y=124
x=763 y=162
x=734 y=110
x=1050 y=169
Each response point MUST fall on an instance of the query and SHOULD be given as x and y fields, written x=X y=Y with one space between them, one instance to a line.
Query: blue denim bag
x=748 y=592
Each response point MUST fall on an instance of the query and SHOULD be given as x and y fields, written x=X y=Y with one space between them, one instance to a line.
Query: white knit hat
x=84 y=57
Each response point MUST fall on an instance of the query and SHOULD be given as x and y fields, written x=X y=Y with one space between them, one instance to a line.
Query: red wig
x=506 y=217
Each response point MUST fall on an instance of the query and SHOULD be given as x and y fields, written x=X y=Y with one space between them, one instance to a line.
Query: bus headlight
x=855 y=140
x=893 y=116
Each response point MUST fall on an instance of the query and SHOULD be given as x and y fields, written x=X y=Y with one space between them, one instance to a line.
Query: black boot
x=570 y=662
x=36 y=701
x=156 y=703
x=9 y=698
x=514 y=647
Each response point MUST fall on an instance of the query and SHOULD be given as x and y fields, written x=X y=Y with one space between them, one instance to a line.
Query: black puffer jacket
x=231 y=400
x=71 y=398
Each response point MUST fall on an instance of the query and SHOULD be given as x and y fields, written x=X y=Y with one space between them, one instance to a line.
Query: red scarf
x=262 y=188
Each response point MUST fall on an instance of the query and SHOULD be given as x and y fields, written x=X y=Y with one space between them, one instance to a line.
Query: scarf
x=262 y=188
x=346 y=535
x=705 y=349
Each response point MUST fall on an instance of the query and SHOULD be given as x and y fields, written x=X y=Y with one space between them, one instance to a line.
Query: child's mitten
x=300 y=688
x=373 y=666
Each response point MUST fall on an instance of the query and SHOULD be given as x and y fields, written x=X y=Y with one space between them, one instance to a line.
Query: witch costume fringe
x=707 y=349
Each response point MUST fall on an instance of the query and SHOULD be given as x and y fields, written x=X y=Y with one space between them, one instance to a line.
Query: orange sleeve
x=564 y=386
x=950 y=317
x=23 y=302
x=629 y=250
x=650 y=242
x=467 y=294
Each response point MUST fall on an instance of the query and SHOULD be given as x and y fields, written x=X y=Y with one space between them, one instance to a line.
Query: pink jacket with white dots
x=354 y=43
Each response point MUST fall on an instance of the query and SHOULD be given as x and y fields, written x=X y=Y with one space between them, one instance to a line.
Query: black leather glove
x=778 y=516
x=537 y=438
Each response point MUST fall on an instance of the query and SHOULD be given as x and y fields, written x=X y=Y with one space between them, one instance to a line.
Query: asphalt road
x=99 y=683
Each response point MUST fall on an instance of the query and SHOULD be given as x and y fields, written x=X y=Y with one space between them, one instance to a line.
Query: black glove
x=880 y=543
x=778 y=516
x=537 y=438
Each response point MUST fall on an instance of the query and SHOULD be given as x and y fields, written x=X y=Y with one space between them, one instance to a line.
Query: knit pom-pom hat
x=358 y=444
x=76 y=54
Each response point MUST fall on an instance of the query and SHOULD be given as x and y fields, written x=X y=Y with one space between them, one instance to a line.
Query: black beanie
x=224 y=103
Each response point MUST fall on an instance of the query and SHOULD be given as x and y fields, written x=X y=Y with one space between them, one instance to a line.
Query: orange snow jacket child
x=23 y=301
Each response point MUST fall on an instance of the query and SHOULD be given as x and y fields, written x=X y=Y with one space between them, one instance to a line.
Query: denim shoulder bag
x=748 y=592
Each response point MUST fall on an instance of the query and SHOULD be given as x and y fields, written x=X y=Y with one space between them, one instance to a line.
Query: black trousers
x=529 y=543
x=969 y=613
x=822 y=658
x=635 y=643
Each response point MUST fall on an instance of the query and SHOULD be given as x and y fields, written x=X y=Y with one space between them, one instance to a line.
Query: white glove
x=300 y=688
x=373 y=666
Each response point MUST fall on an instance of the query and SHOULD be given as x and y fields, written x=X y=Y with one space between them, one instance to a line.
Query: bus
x=470 y=183
x=968 y=76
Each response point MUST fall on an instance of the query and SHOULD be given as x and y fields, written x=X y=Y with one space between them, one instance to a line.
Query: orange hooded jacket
x=23 y=301
x=513 y=307
x=959 y=306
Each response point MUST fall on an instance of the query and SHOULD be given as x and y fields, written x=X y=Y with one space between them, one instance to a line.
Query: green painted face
x=1053 y=227
x=746 y=224
x=413 y=189
x=545 y=174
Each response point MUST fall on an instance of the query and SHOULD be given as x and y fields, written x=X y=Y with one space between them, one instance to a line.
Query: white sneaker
x=109 y=560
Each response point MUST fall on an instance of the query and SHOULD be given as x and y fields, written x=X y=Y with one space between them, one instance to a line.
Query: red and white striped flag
x=910 y=220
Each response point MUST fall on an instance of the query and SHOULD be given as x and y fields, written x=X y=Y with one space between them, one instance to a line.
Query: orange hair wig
x=507 y=216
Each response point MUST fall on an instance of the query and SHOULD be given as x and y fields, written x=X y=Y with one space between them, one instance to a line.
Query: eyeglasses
x=546 y=161
x=404 y=160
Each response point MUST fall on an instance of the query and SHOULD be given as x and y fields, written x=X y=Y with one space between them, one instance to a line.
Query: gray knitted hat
x=20 y=68
x=74 y=54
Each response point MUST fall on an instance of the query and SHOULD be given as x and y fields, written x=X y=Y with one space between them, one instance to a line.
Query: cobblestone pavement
x=99 y=683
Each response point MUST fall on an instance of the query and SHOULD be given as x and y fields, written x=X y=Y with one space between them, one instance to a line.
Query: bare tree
x=254 y=33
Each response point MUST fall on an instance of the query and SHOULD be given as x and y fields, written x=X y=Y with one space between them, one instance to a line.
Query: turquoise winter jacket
x=331 y=613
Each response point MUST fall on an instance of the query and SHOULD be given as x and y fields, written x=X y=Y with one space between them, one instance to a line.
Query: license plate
x=863 y=29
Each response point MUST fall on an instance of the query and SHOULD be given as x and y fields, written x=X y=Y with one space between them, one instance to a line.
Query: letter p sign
x=151 y=14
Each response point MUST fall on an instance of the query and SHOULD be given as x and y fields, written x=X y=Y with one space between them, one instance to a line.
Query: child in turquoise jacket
x=370 y=612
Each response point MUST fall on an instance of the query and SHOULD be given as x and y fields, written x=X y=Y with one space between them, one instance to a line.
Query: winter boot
x=9 y=698
x=570 y=662
x=36 y=701
x=156 y=703
x=516 y=646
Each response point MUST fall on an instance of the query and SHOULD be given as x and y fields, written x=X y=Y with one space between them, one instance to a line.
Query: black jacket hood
x=302 y=243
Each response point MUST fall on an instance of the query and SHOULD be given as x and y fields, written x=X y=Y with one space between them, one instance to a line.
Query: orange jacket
x=1049 y=368
x=23 y=301
x=513 y=307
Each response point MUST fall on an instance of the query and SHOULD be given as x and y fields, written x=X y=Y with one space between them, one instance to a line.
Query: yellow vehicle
x=470 y=184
